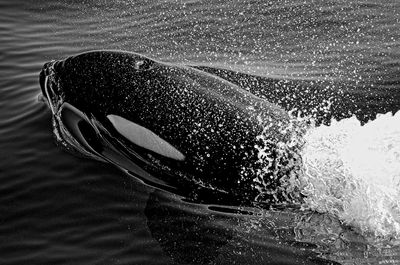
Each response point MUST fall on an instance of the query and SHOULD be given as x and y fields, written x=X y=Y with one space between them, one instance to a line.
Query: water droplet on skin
x=138 y=64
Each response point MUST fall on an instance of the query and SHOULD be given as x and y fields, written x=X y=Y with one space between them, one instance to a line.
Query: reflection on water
x=198 y=236
x=59 y=209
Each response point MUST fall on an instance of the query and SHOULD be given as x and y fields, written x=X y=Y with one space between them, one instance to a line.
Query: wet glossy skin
x=213 y=122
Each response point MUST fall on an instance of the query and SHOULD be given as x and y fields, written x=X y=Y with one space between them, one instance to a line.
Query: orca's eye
x=142 y=65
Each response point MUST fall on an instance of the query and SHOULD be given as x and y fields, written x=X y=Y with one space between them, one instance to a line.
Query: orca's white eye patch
x=143 y=137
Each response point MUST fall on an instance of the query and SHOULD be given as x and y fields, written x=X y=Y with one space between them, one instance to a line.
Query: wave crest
x=353 y=172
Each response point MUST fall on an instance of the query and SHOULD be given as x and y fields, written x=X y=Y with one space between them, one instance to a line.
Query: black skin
x=213 y=122
x=363 y=99
x=206 y=116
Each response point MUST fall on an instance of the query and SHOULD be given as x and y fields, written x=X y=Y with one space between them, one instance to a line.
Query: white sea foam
x=353 y=172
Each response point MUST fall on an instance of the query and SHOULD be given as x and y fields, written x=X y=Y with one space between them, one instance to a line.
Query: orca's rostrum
x=172 y=125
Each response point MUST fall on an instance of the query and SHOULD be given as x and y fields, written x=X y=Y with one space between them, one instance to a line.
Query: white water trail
x=353 y=172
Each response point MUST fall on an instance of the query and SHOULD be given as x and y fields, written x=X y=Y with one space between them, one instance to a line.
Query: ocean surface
x=59 y=208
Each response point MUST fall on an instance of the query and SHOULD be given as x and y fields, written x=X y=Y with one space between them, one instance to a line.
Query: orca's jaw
x=48 y=84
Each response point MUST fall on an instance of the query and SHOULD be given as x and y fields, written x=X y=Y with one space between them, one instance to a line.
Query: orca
x=172 y=124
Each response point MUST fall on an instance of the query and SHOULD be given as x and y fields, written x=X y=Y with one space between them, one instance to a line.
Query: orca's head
x=171 y=118
x=93 y=79
x=104 y=90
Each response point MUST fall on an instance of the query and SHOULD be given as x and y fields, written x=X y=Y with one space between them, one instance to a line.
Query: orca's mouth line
x=53 y=101
x=47 y=94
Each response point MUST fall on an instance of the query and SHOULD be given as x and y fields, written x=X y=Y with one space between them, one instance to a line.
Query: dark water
x=56 y=208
